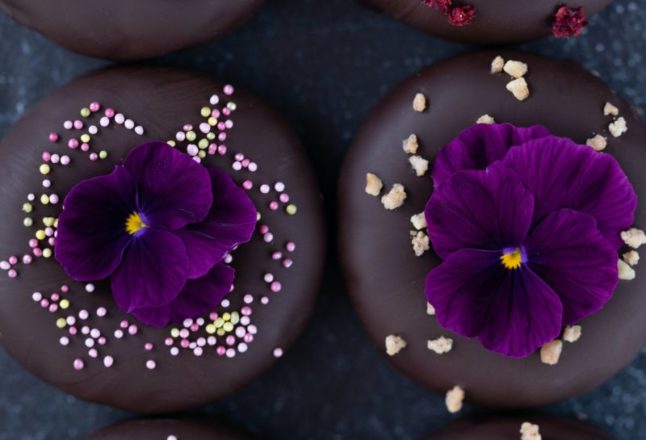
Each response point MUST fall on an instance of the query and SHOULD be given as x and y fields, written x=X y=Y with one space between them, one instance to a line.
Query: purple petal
x=153 y=271
x=569 y=253
x=230 y=222
x=512 y=312
x=174 y=190
x=479 y=146
x=198 y=297
x=479 y=209
x=91 y=233
x=561 y=174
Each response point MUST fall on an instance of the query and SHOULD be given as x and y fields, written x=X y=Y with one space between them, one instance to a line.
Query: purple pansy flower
x=528 y=225
x=160 y=226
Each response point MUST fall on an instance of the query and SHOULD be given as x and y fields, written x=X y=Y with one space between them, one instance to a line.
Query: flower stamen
x=134 y=223
x=512 y=259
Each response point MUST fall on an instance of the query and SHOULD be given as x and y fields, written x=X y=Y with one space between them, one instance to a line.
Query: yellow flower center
x=512 y=260
x=134 y=223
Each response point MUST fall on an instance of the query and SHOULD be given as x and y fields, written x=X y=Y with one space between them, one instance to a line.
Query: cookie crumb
x=517 y=69
x=610 y=110
x=519 y=89
x=572 y=333
x=373 y=184
x=430 y=310
x=420 y=242
x=410 y=144
x=497 y=64
x=419 y=164
x=633 y=237
x=529 y=431
x=597 y=142
x=626 y=272
x=486 y=119
x=551 y=352
x=454 y=399
x=631 y=257
x=418 y=221
x=419 y=103
x=394 y=344
x=395 y=197
x=440 y=345
x=618 y=127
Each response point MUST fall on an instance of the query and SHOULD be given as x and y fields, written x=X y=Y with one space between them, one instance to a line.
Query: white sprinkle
x=485 y=119
x=373 y=184
x=440 y=345
x=454 y=399
x=634 y=237
x=150 y=364
x=93 y=129
x=108 y=361
x=104 y=121
x=610 y=110
x=497 y=64
x=394 y=344
x=89 y=287
x=551 y=352
x=618 y=127
x=572 y=333
x=139 y=130
x=626 y=272
x=517 y=69
x=631 y=257
x=119 y=118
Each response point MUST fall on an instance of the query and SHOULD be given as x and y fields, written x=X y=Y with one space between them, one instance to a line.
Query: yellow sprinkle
x=174 y=332
x=203 y=143
x=191 y=136
x=85 y=138
x=226 y=316
x=227 y=327
x=47 y=252
x=235 y=317
x=201 y=154
x=213 y=121
x=85 y=112
x=28 y=222
x=512 y=260
x=171 y=143
x=44 y=169
x=291 y=209
x=64 y=304
x=44 y=199
x=210 y=329
x=103 y=154
x=205 y=111
x=61 y=323
x=218 y=322
x=27 y=207
x=232 y=106
x=210 y=135
x=48 y=221
x=56 y=222
x=220 y=332
x=40 y=234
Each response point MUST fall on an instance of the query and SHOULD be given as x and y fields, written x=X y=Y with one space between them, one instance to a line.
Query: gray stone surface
x=323 y=64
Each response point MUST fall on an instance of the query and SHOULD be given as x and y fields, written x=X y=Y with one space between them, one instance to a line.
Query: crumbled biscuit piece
x=485 y=119
x=419 y=103
x=497 y=64
x=631 y=257
x=419 y=164
x=395 y=197
x=430 y=310
x=597 y=142
x=373 y=184
x=519 y=89
x=420 y=242
x=440 y=345
x=572 y=333
x=618 y=127
x=626 y=272
x=610 y=110
x=410 y=144
x=418 y=221
x=454 y=399
x=394 y=344
x=516 y=69
x=551 y=352
x=633 y=237
x=529 y=431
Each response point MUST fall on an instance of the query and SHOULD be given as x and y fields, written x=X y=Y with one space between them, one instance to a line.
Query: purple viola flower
x=528 y=225
x=159 y=226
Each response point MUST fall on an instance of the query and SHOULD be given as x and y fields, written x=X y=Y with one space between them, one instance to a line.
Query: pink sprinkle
x=187 y=127
x=246 y=310
x=221 y=126
x=54 y=297
x=252 y=329
x=102 y=340
x=222 y=150
x=215 y=113
x=222 y=136
x=213 y=148
x=276 y=255
x=239 y=156
x=221 y=350
x=85 y=147
x=94 y=157
x=247 y=184
x=228 y=89
x=13 y=260
x=150 y=364
x=109 y=112
x=46 y=156
x=123 y=324
x=73 y=144
x=184 y=343
x=290 y=246
x=133 y=329
x=273 y=205
x=195 y=327
x=228 y=124
x=65 y=288
x=26 y=259
x=231 y=340
x=248 y=338
x=72 y=330
x=78 y=364
x=78 y=124
x=226 y=111
x=51 y=241
x=53 y=308
x=53 y=137
x=12 y=273
x=213 y=316
x=38 y=252
x=284 y=197
x=168 y=342
x=287 y=262
x=278 y=352
x=33 y=243
x=148 y=346
x=263 y=229
x=95 y=106
x=93 y=353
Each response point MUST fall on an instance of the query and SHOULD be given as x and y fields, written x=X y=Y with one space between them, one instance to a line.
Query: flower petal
x=561 y=174
x=479 y=146
x=488 y=209
x=174 y=190
x=230 y=222
x=153 y=271
x=91 y=235
x=198 y=297
x=512 y=312
x=569 y=253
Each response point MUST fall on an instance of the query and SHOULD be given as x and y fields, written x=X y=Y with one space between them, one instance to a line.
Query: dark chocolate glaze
x=161 y=100
x=386 y=279
x=496 y=22
x=127 y=29
x=507 y=428
x=162 y=429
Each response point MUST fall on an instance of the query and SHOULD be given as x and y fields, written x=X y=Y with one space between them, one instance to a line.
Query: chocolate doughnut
x=386 y=279
x=72 y=334
x=165 y=429
x=124 y=29
x=487 y=22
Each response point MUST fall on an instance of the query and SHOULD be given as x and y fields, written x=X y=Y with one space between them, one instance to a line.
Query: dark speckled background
x=323 y=64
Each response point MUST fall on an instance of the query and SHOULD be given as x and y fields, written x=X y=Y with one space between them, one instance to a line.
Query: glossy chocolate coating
x=162 y=101
x=386 y=279
x=496 y=22
x=164 y=429
x=127 y=29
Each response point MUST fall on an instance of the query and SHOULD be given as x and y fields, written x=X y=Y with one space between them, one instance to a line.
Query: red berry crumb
x=440 y=5
x=461 y=15
x=568 y=22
